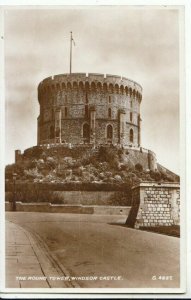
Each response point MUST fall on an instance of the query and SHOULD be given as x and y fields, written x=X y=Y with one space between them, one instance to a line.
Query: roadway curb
x=42 y=252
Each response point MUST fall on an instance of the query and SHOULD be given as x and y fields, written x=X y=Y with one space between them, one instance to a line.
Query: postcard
x=94 y=184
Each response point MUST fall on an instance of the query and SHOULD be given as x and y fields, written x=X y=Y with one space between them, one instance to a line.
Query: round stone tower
x=90 y=108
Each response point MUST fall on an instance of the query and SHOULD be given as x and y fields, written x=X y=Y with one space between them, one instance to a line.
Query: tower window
x=86 y=131
x=66 y=111
x=86 y=111
x=131 y=116
x=109 y=99
x=109 y=112
x=109 y=132
x=131 y=135
x=86 y=97
x=131 y=103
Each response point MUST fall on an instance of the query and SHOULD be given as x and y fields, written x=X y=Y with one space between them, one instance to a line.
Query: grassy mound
x=109 y=165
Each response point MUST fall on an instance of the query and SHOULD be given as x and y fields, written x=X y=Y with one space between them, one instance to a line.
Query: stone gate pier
x=155 y=204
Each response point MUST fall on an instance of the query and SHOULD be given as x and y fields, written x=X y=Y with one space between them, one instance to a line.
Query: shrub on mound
x=34 y=152
x=156 y=175
x=138 y=167
x=108 y=155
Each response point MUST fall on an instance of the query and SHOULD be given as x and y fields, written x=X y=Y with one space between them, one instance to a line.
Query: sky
x=139 y=43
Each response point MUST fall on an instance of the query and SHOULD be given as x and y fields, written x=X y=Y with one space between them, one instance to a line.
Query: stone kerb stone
x=159 y=204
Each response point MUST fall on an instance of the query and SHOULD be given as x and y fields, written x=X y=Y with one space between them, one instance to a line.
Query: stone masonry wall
x=157 y=204
x=75 y=95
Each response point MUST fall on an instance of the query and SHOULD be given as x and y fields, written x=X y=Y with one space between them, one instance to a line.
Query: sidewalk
x=28 y=263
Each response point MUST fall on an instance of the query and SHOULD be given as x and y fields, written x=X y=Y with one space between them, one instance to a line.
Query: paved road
x=96 y=246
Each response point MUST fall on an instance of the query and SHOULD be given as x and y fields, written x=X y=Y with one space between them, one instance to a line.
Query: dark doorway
x=86 y=133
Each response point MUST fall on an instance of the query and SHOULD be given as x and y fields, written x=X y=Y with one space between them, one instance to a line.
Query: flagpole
x=70 y=52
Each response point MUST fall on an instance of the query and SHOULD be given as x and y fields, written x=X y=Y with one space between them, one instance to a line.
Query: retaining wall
x=85 y=197
x=79 y=209
x=74 y=197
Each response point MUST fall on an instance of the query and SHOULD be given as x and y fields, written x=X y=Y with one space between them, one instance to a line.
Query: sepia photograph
x=93 y=198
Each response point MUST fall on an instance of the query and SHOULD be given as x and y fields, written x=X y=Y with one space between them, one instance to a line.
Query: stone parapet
x=91 y=77
x=155 y=205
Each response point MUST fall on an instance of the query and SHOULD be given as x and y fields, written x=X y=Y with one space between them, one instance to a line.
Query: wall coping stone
x=69 y=145
x=159 y=185
x=69 y=205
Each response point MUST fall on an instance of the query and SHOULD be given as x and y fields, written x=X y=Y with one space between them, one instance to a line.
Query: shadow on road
x=164 y=230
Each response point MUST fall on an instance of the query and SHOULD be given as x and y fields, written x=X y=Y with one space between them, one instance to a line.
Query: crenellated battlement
x=103 y=82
